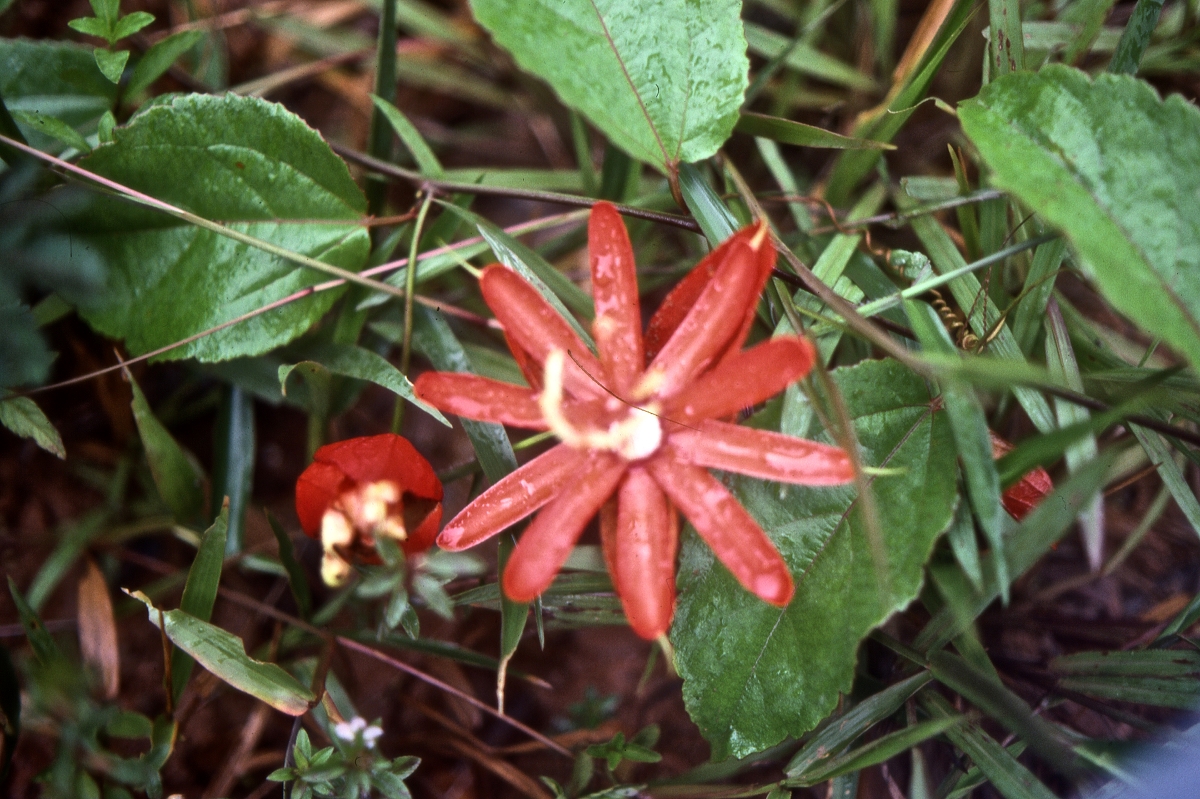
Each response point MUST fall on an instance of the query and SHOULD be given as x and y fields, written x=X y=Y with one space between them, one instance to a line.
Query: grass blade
x=200 y=594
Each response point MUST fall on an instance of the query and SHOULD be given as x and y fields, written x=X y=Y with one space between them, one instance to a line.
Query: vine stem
x=410 y=279
x=199 y=221
x=450 y=186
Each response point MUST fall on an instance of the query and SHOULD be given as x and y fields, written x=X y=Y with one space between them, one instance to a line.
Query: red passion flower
x=362 y=487
x=641 y=430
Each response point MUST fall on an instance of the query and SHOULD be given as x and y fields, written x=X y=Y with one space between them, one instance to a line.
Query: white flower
x=348 y=730
x=352 y=729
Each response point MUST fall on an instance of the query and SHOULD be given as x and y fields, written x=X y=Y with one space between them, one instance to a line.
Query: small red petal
x=534 y=326
x=763 y=454
x=480 y=398
x=618 y=324
x=514 y=497
x=744 y=379
x=735 y=538
x=716 y=318
x=526 y=363
x=422 y=538
x=316 y=489
x=383 y=457
x=647 y=535
x=546 y=543
x=1024 y=495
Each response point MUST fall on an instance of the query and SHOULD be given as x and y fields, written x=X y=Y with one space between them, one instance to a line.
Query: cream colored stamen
x=636 y=436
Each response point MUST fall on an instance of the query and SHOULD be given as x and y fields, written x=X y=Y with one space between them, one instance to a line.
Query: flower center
x=637 y=435
x=365 y=510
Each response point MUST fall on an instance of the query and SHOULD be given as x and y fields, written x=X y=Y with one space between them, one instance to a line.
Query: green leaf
x=90 y=26
x=361 y=364
x=969 y=426
x=224 y=654
x=714 y=217
x=176 y=475
x=158 y=59
x=754 y=673
x=23 y=417
x=234 y=448
x=44 y=647
x=249 y=164
x=1160 y=677
x=58 y=79
x=806 y=59
x=104 y=130
x=106 y=10
x=297 y=579
x=1009 y=777
x=1136 y=37
x=786 y=131
x=54 y=128
x=1040 y=530
x=111 y=62
x=880 y=750
x=1105 y=161
x=427 y=162
x=74 y=537
x=131 y=24
x=200 y=593
x=662 y=79
x=843 y=729
x=988 y=694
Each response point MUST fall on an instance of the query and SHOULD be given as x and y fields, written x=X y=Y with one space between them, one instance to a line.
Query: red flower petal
x=317 y=488
x=546 y=543
x=735 y=538
x=1024 y=495
x=618 y=324
x=423 y=536
x=526 y=363
x=743 y=379
x=534 y=326
x=763 y=454
x=383 y=457
x=716 y=318
x=647 y=535
x=514 y=497
x=683 y=297
x=679 y=301
x=480 y=398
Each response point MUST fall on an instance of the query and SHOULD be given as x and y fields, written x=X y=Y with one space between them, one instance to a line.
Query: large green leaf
x=1118 y=170
x=249 y=164
x=663 y=79
x=176 y=473
x=755 y=674
x=57 y=79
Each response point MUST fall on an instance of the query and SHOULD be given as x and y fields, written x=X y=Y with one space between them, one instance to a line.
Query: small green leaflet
x=25 y=419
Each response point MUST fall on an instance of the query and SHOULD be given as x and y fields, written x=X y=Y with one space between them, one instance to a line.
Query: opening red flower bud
x=362 y=487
